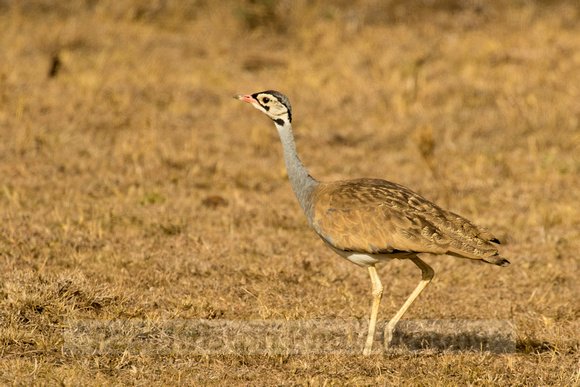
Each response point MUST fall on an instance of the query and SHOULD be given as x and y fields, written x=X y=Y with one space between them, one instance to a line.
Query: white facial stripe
x=261 y=101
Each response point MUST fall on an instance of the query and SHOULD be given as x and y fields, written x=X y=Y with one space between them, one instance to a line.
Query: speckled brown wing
x=380 y=217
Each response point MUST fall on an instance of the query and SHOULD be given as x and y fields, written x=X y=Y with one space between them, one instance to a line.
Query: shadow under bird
x=370 y=220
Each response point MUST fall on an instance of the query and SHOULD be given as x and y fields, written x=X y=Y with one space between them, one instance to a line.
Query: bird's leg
x=427 y=275
x=377 y=294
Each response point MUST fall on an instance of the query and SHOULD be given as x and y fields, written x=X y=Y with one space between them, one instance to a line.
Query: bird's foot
x=369 y=345
x=388 y=336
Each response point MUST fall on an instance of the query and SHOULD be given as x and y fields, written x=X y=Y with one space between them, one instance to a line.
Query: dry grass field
x=132 y=185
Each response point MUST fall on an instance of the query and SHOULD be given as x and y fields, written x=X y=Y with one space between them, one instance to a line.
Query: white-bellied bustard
x=369 y=220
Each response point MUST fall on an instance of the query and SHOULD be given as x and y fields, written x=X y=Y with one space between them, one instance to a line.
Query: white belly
x=363 y=260
x=366 y=260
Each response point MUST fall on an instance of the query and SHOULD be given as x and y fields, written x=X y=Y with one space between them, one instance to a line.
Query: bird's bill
x=245 y=97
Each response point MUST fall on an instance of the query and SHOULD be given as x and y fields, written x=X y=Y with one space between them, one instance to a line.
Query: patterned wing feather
x=377 y=216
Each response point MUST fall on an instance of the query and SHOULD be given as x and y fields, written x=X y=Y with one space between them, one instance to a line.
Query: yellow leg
x=427 y=275
x=377 y=294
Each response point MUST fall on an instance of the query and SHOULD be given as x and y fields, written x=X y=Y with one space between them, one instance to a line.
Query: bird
x=368 y=221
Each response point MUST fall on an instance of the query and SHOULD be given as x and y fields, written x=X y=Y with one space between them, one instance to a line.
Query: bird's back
x=375 y=216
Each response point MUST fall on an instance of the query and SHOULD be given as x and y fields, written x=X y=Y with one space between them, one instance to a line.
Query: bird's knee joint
x=428 y=273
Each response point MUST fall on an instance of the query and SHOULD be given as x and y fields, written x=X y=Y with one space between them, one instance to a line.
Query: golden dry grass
x=134 y=186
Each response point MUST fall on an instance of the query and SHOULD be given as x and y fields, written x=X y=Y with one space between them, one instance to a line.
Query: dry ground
x=133 y=186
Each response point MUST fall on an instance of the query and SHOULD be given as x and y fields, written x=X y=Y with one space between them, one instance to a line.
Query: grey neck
x=302 y=183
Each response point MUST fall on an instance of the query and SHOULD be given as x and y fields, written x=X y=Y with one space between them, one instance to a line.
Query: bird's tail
x=497 y=260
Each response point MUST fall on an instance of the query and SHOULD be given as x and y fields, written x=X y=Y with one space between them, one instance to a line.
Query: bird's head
x=272 y=103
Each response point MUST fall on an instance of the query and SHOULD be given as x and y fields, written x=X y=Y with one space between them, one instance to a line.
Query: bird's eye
x=265 y=99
